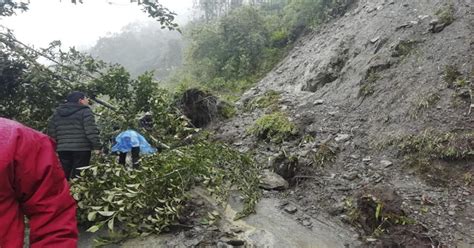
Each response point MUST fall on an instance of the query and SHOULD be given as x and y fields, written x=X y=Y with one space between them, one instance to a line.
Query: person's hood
x=68 y=109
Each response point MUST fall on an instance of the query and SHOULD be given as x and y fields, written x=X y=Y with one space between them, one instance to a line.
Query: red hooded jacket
x=32 y=183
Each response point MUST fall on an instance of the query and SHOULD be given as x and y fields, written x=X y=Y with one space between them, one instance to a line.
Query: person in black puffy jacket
x=75 y=131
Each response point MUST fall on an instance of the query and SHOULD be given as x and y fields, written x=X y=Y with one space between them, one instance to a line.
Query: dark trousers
x=71 y=160
x=135 y=157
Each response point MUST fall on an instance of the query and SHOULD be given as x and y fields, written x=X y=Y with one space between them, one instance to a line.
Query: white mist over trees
x=142 y=47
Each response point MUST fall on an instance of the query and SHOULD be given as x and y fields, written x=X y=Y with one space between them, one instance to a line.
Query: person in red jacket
x=32 y=183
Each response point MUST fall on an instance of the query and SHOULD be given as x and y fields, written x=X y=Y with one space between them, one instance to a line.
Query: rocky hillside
x=381 y=98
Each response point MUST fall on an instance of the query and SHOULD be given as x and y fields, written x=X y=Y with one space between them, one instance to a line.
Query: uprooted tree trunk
x=200 y=107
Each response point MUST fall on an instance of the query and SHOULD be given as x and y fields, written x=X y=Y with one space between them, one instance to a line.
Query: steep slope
x=388 y=89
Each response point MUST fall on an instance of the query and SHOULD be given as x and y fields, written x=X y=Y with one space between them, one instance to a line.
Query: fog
x=81 y=25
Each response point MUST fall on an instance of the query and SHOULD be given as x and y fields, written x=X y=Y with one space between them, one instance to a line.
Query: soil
x=358 y=82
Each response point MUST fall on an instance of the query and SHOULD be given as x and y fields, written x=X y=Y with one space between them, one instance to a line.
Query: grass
x=275 y=127
x=368 y=86
x=269 y=98
x=424 y=151
x=446 y=14
x=425 y=103
x=451 y=75
x=404 y=48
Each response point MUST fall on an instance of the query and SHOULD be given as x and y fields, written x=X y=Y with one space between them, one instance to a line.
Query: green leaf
x=110 y=224
x=378 y=210
x=91 y=216
x=93 y=228
x=106 y=213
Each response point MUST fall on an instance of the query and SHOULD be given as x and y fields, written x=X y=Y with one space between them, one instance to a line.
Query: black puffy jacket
x=74 y=129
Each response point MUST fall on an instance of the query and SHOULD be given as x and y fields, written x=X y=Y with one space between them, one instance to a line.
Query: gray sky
x=82 y=24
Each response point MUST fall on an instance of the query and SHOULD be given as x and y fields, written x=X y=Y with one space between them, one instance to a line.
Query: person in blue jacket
x=131 y=141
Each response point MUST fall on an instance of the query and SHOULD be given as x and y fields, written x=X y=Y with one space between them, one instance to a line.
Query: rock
x=422 y=17
x=451 y=213
x=236 y=229
x=342 y=137
x=434 y=22
x=235 y=242
x=272 y=181
x=367 y=159
x=350 y=176
x=386 y=163
x=337 y=209
x=307 y=223
x=290 y=209
x=333 y=113
x=192 y=242
x=319 y=102
x=221 y=244
x=355 y=156
x=436 y=26
x=405 y=25
x=374 y=39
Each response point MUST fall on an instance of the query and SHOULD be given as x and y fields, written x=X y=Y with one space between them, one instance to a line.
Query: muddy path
x=275 y=224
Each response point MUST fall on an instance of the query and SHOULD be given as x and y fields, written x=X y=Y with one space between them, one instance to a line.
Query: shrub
x=149 y=199
x=274 y=127
x=269 y=98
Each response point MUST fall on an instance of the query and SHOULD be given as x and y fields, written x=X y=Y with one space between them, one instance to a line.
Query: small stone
x=354 y=156
x=371 y=240
x=236 y=229
x=350 y=176
x=279 y=71
x=374 y=39
x=405 y=5
x=422 y=17
x=434 y=22
x=414 y=22
x=451 y=213
x=342 y=137
x=318 y=102
x=366 y=159
x=236 y=242
x=332 y=113
x=307 y=223
x=337 y=209
x=386 y=163
x=290 y=209
x=465 y=193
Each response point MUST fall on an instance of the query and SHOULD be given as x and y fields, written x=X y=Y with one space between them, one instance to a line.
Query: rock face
x=360 y=80
x=272 y=181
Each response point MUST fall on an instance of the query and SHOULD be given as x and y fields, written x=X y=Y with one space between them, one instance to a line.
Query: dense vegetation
x=235 y=45
x=228 y=50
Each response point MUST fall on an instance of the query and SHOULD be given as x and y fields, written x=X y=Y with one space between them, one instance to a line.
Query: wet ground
x=272 y=226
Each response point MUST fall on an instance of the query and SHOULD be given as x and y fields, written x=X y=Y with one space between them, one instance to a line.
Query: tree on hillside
x=141 y=48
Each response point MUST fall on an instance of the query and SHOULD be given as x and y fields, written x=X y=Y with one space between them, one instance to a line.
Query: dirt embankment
x=387 y=91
